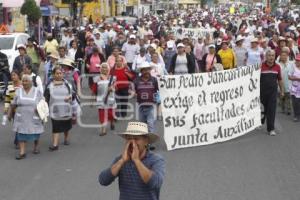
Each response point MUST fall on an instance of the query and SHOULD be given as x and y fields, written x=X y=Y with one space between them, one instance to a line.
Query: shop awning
x=49 y=10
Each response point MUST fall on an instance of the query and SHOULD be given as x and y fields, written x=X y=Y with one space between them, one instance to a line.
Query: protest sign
x=207 y=108
x=191 y=32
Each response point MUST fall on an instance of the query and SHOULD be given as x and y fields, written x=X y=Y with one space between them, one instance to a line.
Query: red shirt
x=269 y=77
x=124 y=76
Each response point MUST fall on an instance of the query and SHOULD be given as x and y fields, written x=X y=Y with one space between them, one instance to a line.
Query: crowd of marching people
x=124 y=61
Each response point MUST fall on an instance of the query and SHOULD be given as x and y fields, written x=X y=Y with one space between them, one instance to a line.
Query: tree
x=32 y=11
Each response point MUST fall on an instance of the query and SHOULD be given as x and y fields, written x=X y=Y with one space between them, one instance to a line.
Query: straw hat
x=67 y=62
x=144 y=66
x=139 y=129
x=254 y=40
x=54 y=55
x=239 y=38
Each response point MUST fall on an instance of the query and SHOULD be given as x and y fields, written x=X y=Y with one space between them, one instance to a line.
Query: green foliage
x=32 y=11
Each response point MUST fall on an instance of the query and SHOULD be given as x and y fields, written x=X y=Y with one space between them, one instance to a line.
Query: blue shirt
x=131 y=184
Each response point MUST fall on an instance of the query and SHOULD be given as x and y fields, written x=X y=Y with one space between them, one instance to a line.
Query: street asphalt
x=253 y=167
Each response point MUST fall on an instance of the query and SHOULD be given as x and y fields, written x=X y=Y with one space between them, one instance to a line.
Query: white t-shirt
x=130 y=51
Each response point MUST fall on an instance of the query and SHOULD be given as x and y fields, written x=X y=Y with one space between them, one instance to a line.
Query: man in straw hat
x=53 y=58
x=140 y=171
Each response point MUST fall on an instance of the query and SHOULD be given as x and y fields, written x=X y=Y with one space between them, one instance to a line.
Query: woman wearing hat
x=22 y=59
x=210 y=59
x=227 y=55
x=240 y=51
x=59 y=95
x=27 y=123
x=140 y=171
x=71 y=75
x=105 y=96
x=53 y=58
x=182 y=63
x=254 y=54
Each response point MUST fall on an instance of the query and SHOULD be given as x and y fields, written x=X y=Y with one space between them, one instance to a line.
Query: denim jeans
x=146 y=115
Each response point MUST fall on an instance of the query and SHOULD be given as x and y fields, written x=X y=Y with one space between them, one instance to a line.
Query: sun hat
x=154 y=46
x=67 y=62
x=139 y=129
x=254 y=40
x=144 y=65
x=54 y=55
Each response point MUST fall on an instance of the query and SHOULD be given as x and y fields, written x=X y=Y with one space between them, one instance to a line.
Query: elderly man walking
x=270 y=80
x=140 y=171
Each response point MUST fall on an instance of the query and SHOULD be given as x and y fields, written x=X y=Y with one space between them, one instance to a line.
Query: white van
x=9 y=43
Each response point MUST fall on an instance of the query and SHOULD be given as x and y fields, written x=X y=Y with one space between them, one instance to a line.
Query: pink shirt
x=199 y=51
x=94 y=64
x=210 y=60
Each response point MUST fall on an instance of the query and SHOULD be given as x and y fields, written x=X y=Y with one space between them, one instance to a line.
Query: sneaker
x=272 y=133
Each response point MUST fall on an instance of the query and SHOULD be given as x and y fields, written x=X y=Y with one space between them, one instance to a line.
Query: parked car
x=9 y=43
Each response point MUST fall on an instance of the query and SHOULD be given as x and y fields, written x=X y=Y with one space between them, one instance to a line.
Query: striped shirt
x=131 y=185
x=9 y=96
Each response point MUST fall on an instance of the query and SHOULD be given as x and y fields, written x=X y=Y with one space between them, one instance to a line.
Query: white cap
x=247 y=30
x=21 y=46
x=239 y=38
x=212 y=46
x=132 y=37
x=180 y=45
x=170 y=44
x=131 y=27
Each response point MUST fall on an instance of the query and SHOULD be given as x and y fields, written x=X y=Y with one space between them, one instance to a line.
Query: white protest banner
x=191 y=32
x=207 y=108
